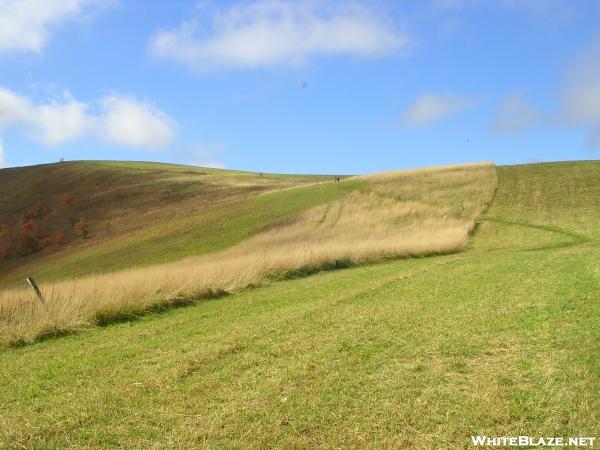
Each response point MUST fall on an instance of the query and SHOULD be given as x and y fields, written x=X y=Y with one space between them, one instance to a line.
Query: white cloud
x=13 y=107
x=129 y=122
x=25 y=25
x=581 y=101
x=55 y=122
x=278 y=32
x=430 y=107
x=514 y=115
x=119 y=119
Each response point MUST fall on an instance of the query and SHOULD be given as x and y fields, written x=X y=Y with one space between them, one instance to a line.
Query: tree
x=31 y=232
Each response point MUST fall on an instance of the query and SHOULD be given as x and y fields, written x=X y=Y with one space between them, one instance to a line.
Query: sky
x=314 y=86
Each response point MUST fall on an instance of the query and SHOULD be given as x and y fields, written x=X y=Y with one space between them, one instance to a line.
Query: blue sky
x=300 y=86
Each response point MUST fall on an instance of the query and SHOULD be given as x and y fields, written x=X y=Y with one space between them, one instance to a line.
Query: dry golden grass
x=407 y=213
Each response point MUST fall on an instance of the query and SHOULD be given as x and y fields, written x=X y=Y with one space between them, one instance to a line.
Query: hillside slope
x=399 y=214
x=501 y=340
x=136 y=214
x=549 y=205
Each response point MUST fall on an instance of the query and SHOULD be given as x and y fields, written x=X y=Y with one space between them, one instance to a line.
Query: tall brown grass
x=406 y=213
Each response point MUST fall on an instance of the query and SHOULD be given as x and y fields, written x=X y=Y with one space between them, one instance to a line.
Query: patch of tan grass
x=407 y=213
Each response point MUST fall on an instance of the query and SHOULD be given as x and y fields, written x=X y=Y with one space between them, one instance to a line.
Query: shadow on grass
x=44 y=335
x=575 y=238
x=109 y=317
x=311 y=270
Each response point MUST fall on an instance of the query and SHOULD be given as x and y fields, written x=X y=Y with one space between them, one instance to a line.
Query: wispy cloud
x=514 y=115
x=115 y=118
x=429 y=108
x=579 y=105
x=205 y=154
x=26 y=25
x=264 y=33
x=581 y=100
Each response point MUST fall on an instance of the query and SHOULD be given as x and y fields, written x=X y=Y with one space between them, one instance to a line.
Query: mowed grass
x=420 y=353
x=412 y=213
x=540 y=213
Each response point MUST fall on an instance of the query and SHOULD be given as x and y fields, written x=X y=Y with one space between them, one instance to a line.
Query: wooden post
x=37 y=291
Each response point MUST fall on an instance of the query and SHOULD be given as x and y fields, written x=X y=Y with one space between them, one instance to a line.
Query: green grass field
x=502 y=339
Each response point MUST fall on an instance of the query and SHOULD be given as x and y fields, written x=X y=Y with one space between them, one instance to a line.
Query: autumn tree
x=31 y=233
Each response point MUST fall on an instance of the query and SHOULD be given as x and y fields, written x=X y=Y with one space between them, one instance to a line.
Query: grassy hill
x=138 y=213
x=407 y=213
x=499 y=340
